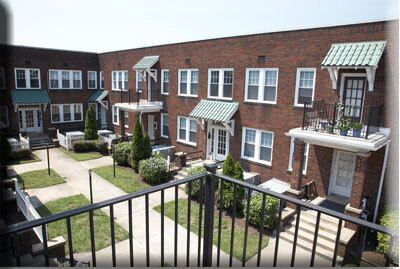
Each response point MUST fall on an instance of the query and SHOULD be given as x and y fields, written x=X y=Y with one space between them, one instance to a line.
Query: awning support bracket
x=371 y=77
x=230 y=126
x=333 y=73
x=200 y=122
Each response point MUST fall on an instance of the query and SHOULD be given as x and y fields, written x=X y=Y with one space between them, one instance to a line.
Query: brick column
x=297 y=165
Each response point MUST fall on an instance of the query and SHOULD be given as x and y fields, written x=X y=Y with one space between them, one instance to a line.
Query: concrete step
x=182 y=173
x=309 y=237
x=195 y=163
x=325 y=224
x=8 y=260
x=324 y=217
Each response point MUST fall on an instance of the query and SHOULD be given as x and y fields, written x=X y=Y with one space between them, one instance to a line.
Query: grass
x=40 y=179
x=125 y=180
x=33 y=158
x=238 y=242
x=80 y=225
x=81 y=156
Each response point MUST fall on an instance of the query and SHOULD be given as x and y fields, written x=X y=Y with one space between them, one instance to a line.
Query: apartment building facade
x=241 y=95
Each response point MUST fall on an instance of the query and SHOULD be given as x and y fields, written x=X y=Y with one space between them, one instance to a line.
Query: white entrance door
x=342 y=173
x=30 y=120
x=217 y=143
x=103 y=114
x=150 y=126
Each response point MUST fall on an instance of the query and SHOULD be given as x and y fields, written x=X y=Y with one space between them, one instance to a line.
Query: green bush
x=102 y=147
x=5 y=148
x=389 y=219
x=84 y=145
x=90 y=125
x=122 y=153
x=153 y=170
x=148 y=151
x=195 y=184
x=271 y=207
x=21 y=153
x=138 y=151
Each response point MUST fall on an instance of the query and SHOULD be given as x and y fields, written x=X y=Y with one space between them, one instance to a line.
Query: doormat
x=333 y=206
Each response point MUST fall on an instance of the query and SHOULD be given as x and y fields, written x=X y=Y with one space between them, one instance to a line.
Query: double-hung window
x=139 y=83
x=4 y=115
x=115 y=115
x=164 y=125
x=119 y=80
x=220 y=83
x=188 y=82
x=66 y=113
x=261 y=85
x=92 y=79
x=165 y=81
x=101 y=79
x=65 y=79
x=305 y=84
x=187 y=130
x=257 y=145
x=26 y=78
x=2 y=79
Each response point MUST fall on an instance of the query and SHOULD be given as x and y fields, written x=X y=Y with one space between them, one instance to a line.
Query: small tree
x=137 y=152
x=147 y=147
x=5 y=148
x=90 y=125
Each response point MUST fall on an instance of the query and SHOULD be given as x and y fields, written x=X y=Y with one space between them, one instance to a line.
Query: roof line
x=44 y=48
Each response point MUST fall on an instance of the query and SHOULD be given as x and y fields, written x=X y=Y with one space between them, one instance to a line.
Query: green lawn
x=33 y=158
x=80 y=225
x=352 y=262
x=126 y=180
x=252 y=239
x=39 y=179
x=82 y=156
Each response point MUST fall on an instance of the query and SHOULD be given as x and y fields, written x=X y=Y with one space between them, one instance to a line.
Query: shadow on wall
x=4 y=32
x=323 y=157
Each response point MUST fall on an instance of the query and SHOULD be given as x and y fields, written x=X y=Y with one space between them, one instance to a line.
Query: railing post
x=369 y=121
x=304 y=115
x=209 y=215
x=334 y=118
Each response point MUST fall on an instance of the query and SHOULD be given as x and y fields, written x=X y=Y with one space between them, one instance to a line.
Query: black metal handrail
x=207 y=200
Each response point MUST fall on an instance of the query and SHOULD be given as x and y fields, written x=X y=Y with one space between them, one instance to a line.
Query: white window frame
x=6 y=110
x=95 y=79
x=296 y=94
x=95 y=109
x=291 y=152
x=61 y=109
x=257 y=146
x=220 y=83
x=188 y=82
x=162 y=81
x=187 y=141
x=162 y=125
x=71 y=79
x=27 y=78
x=137 y=81
x=101 y=80
x=112 y=114
x=117 y=81
x=261 y=84
x=126 y=118
x=3 y=86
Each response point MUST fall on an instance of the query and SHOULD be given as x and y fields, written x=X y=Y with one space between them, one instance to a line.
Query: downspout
x=381 y=181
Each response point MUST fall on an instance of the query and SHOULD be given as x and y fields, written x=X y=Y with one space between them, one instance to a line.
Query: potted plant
x=344 y=123
x=357 y=127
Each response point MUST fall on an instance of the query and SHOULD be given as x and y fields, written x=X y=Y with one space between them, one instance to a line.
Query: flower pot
x=356 y=133
x=343 y=132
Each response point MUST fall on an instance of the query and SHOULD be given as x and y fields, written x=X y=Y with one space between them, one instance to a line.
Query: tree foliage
x=90 y=125
x=137 y=151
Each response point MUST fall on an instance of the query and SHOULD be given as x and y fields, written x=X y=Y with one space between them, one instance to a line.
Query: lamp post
x=113 y=149
x=90 y=185
x=48 y=159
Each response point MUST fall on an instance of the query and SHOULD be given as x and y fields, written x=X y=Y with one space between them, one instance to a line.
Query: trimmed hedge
x=389 y=219
x=153 y=170
x=90 y=145
x=271 y=207
x=21 y=154
x=122 y=153
x=195 y=184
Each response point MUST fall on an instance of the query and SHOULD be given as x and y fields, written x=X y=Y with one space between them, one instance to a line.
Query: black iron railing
x=334 y=117
x=207 y=185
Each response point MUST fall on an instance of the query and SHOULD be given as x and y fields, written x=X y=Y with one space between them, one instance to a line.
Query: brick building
x=242 y=95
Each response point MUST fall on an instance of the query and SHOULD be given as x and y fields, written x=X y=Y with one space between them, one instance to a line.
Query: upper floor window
x=188 y=82
x=119 y=80
x=138 y=82
x=2 y=79
x=164 y=125
x=65 y=79
x=257 y=145
x=92 y=79
x=187 y=130
x=66 y=113
x=101 y=79
x=26 y=78
x=305 y=83
x=261 y=85
x=220 y=83
x=165 y=81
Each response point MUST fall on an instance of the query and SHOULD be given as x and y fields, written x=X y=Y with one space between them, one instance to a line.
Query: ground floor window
x=257 y=145
x=306 y=149
x=66 y=113
x=115 y=113
x=126 y=118
x=164 y=125
x=187 y=130
x=4 y=115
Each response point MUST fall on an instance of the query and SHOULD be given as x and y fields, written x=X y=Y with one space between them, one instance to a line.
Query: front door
x=353 y=95
x=30 y=120
x=342 y=173
x=103 y=115
x=150 y=126
x=217 y=143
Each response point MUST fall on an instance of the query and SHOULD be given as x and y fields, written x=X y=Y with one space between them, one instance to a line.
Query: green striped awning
x=354 y=54
x=29 y=97
x=146 y=63
x=98 y=96
x=214 y=110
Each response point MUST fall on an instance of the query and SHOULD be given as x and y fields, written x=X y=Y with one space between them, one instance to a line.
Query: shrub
x=195 y=184
x=389 y=219
x=5 y=148
x=102 y=147
x=271 y=207
x=84 y=145
x=148 y=151
x=153 y=170
x=160 y=156
x=21 y=153
x=137 y=152
x=90 y=125
x=122 y=152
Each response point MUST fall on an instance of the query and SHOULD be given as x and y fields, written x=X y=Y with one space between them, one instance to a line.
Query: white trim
x=186 y=141
x=257 y=145
x=2 y=74
x=101 y=74
x=213 y=130
x=95 y=79
x=334 y=170
x=162 y=125
x=8 y=119
x=188 y=82
x=306 y=151
x=261 y=84
x=162 y=81
x=112 y=114
x=126 y=118
x=71 y=79
x=299 y=70
x=142 y=79
x=221 y=77
x=27 y=78
x=61 y=111
x=117 y=79
x=291 y=151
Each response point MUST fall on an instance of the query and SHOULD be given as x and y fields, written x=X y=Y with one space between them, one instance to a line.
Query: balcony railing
x=325 y=117
x=207 y=184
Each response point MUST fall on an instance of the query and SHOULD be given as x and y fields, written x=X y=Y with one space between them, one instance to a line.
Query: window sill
x=246 y=102
x=219 y=98
x=188 y=96
x=67 y=89
x=163 y=136
x=185 y=143
x=298 y=106
x=166 y=94
x=118 y=90
x=267 y=165
x=66 y=121
x=27 y=88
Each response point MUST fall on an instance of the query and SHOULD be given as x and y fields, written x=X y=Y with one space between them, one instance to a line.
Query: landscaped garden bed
x=39 y=179
x=82 y=156
x=23 y=156
x=80 y=225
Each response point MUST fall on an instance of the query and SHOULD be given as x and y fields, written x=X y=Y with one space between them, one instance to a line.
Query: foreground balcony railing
x=325 y=117
x=208 y=182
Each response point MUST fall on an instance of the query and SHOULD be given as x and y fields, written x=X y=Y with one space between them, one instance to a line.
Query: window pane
x=53 y=79
x=67 y=112
x=270 y=78
x=192 y=137
x=304 y=95
x=182 y=123
x=166 y=76
x=65 y=79
x=76 y=79
x=252 y=92
x=125 y=80
x=214 y=83
x=183 y=88
x=166 y=87
x=183 y=76
x=55 y=113
x=254 y=77
x=77 y=112
x=249 y=150
x=266 y=139
x=194 y=88
x=194 y=82
x=165 y=130
x=228 y=84
x=115 y=115
x=269 y=93
x=214 y=90
x=126 y=117
x=227 y=91
x=265 y=154
x=250 y=136
x=34 y=76
x=193 y=125
x=21 y=82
